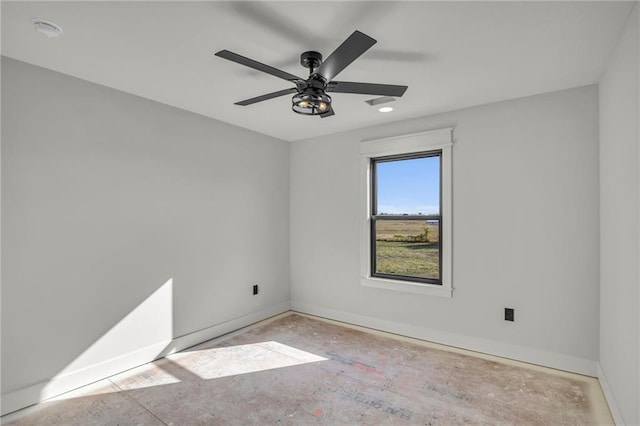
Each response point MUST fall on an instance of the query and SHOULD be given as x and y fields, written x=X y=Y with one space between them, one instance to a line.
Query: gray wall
x=525 y=215
x=619 y=225
x=107 y=200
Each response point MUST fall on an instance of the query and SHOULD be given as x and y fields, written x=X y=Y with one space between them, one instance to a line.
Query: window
x=405 y=217
x=406 y=213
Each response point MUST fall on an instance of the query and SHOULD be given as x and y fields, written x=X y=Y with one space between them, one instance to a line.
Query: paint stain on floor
x=301 y=370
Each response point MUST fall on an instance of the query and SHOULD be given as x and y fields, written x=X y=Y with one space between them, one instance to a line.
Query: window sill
x=407 y=287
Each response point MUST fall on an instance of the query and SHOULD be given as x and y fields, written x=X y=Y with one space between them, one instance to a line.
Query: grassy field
x=407 y=248
x=405 y=230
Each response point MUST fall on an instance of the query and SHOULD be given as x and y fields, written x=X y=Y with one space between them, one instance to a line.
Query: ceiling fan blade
x=366 y=88
x=328 y=113
x=225 y=54
x=267 y=96
x=272 y=18
x=345 y=54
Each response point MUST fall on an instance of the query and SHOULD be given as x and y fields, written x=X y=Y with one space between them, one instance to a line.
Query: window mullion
x=406 y=217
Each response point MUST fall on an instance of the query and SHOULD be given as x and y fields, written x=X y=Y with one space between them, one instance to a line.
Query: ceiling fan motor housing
x=311 y=60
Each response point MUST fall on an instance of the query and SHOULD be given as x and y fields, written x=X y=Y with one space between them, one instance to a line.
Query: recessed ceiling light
x=47 y=28
x=386 y=109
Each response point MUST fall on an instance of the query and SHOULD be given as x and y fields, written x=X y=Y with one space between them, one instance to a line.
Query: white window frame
x=441 y=139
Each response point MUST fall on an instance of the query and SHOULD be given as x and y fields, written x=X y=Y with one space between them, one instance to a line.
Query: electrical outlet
x=255 y=289
x=509 y=314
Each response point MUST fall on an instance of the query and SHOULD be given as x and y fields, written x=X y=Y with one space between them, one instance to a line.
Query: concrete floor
x=296 y=369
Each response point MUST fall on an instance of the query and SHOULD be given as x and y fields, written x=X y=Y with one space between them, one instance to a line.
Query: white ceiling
x=451 y=54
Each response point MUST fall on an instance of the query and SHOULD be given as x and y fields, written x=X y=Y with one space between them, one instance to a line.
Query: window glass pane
x=407 y=247
x=408 y=186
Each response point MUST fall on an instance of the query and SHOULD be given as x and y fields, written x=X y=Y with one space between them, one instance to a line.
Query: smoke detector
x=47 y=28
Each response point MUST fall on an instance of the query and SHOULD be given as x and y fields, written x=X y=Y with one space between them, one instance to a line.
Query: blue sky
x=409 y=186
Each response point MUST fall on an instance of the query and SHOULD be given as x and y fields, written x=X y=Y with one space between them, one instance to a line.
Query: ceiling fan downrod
x=311 y=60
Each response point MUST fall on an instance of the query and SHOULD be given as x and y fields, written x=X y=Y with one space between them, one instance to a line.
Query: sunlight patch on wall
x=146 y=327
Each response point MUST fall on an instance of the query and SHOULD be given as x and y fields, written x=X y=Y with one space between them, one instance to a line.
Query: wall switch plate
x=509 y=314
x=255 y=289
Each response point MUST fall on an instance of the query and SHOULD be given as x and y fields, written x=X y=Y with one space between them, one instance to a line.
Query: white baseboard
x=608 y=395
x=39 y=392
x=520 y=353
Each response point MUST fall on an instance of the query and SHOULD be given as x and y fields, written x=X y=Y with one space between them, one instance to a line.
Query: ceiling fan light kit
x=311 y=102
x=310 y=95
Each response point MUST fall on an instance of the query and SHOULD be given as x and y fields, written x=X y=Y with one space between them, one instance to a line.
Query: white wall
x=525 y=206
x=125 y=225
x=619 y=222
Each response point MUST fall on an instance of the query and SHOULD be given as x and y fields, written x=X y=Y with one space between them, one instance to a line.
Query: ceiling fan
x=310 y=95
